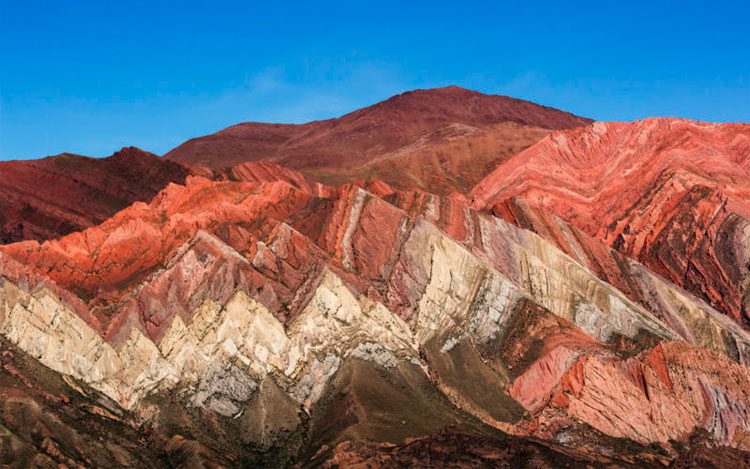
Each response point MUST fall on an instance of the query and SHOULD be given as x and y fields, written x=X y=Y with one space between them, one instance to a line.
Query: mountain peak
x=439 y=139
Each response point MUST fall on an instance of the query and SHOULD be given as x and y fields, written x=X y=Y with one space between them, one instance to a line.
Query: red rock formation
x=51 y=197
x=268 y=172
x=442 y=139
x=632 y=278
x=263 y=318
x=671 y=193
x=662 y=394
x=285 y=231
x=101 y=264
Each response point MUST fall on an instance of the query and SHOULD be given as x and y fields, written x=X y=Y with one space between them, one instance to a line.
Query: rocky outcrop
x=387 y=268
x=662 y=395
x=670 y=193
x=696 y=322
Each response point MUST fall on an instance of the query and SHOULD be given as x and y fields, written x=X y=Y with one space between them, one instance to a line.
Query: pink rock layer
x=672 y=194
x=662 y=394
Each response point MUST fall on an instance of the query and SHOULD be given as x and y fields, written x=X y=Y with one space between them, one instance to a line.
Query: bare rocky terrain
x=584 y=305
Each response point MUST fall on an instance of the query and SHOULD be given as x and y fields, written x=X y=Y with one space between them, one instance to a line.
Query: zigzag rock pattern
x=268 y=319
x=672 y=194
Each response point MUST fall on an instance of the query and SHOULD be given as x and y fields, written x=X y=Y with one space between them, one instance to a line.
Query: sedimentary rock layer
x=298 y=315
x=672 y=194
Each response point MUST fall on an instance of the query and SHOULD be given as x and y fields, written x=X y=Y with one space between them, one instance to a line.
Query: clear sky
x=91 y=77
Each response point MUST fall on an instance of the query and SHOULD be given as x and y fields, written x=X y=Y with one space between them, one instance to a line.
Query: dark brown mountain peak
x=440 y=139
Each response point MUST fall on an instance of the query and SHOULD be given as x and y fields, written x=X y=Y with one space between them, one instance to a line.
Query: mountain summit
x=442 y=139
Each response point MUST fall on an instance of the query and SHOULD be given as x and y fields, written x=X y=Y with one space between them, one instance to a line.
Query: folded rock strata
x=219 y=294
x=673 y=194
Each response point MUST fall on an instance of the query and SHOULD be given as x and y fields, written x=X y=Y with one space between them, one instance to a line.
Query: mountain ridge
x=579 y=306
x=242 y=275
x=57 y=195
x=671 y=193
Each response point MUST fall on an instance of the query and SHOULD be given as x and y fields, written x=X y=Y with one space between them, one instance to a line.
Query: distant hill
x=57 y=195
x=441 y=140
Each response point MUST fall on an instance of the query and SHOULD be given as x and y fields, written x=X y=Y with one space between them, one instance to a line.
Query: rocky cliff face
x=441 y=140
x=672 y=194
x=268 y=319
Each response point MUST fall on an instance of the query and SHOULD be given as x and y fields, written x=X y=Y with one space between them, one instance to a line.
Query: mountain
x=50 y=197
x=336 y=294
x=275 y=320
x=673 y=194
x=441 y=140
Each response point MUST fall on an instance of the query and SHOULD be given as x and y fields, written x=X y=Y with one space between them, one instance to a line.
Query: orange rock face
x=672 y=194
x=102 y=264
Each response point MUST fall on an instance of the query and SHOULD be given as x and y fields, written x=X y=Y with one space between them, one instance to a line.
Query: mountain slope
x=47 y=198
x=672 y=194
x=440 y=140
x=581 y=307
x=263 y=320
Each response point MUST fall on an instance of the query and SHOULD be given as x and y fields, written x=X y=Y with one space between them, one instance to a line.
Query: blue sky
x=91 y=77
